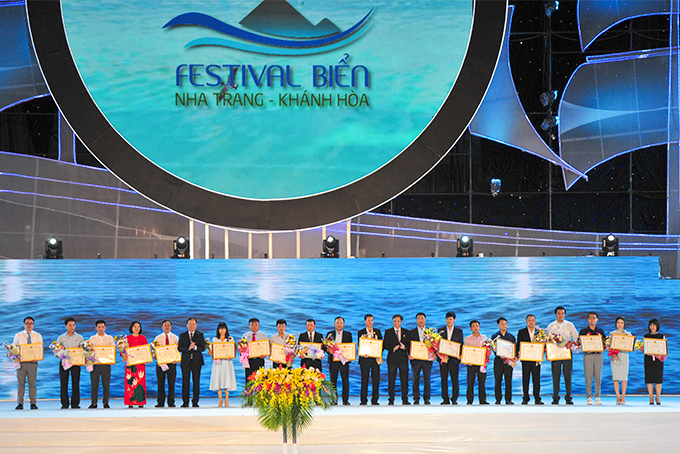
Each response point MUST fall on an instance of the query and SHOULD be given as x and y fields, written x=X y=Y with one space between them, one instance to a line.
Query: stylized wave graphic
x=265 y=44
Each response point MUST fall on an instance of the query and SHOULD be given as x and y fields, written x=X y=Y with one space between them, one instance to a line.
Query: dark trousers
x=446 y=370
x=418 y=365
x=370 y=368
x=315 y=363
x=531 y=370
x=565 y=367
x=472 y=372
x=502 y=371
x=191 y=371
x=171 y=376
x=255 y=365
x=392 y=380
x=277 y=365
x=74 y=372
x=103 y=372
x=335 y=367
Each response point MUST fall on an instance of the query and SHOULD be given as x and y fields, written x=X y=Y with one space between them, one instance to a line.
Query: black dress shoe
x=159 y=406
x=570 y=402
x=427 y=402
x=538 y=402
x=19 y=407
x=555 y=402
x=525 y=402
x=64 y=407
x=407 y=403
x=77 y=407
x=498 y=402
x=194 y=405
x=453 y=402
x=510 y=403
x=106 y=406
x=185 y=405
x=92 y=406
x=375 y=403
x=390 y=403
x=444 y=403
x=346 y=403
x=34 y=407
x=171 y=405
x=416 y=402
x=484 y=403
x=363 y=403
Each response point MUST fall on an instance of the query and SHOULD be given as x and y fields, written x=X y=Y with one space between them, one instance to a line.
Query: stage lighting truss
x=181 y=249
x=548 y=98
x=331 y=248
x=464 y=246
x=550 y=122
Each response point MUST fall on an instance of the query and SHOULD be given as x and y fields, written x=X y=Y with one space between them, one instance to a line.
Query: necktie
x=28 y=338
x=167 y=341
x=253 y=337
x=191 y=337
x=398 y=337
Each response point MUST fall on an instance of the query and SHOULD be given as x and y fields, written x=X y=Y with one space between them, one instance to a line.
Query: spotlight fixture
x=610 y=246
x=331 y=248
x=464 y=246
x=551 y=7
x=495 y=186
x=550 y=122
x=548 y=97
x=53 y=249
x=181 y=248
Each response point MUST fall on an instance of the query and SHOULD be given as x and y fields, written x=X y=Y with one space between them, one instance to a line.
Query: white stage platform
x=634 y=428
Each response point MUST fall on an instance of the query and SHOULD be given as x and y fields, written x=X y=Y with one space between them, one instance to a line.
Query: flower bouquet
x=575 y=346
x=432 y=339
x=488 y=345
x=310 y=352
x=14 y=353
x=285 y=398
x=289 y=349
x=61 y=354
x=558 y=339
x=90 y=356
x=613 y=353
x=540 y=336
x=244 y=352
x=508 y=361
x=154 y=345
x=333 y=349
x=372 y=336
x=639 y=346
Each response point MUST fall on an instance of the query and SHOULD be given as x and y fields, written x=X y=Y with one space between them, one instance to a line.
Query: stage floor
x=634 y=428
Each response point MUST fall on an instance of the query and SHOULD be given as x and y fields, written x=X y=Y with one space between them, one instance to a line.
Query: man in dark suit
x=191 y=344
x=530 y=369
x=418 y=365
x=451 y=365
x=311 y=336
x=397 y=343
x=340 y=336
x=369 y=365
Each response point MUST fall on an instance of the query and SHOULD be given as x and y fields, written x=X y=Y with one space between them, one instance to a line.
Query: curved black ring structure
x=94 y=130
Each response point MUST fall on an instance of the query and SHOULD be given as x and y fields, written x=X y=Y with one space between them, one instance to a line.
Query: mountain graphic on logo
x=280 y=18
x=274 y=27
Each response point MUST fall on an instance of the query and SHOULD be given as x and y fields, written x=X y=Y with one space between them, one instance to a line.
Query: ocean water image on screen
x=233 y=291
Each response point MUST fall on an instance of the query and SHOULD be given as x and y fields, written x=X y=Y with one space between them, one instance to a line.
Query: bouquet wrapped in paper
x=432 y=339
x=61 y=354
x=612 y=352
x=508 y=361
x=540 y=336
x=488 y=345
x=14 y=353
x=244 y=353
x=90 y=356
x=154 y=345
x=333 y=349
x=639 y=346
x=310 y=352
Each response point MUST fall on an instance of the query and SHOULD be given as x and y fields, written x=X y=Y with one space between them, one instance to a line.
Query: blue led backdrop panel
x=269 y=115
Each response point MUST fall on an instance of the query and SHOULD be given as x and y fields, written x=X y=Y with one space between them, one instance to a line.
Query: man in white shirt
x=101 y=339
x=28 y=370
x=254 y=335
x=565 y=366
x=70 y=339
x=166 y=338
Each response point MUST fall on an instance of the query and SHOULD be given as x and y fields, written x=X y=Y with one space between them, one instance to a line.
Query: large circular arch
x=121 y=158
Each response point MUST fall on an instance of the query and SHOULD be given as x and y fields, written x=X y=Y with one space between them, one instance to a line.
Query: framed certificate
x=450 y=348
x=419 y=351
x=556 y=353
x=531 y=351
x=592 y=344
x=657 y=347
x=349 y=351
x=105 y=354
x=138 y=355
x=167 y=354
x=622 y=342
x=31 y=352
x=224 y=350
x=370 y=347
x=259 y=349
x=278 y=353
x=473 y=356
x=505 y=349
x=77 y=356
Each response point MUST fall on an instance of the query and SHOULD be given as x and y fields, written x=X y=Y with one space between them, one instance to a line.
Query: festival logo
x=277 y=29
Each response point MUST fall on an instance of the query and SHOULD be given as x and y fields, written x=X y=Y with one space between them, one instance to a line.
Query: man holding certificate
x=369 y=365
x=311 y=336
x=451 y=365
x=191 y=344
x=280 y=339
x=29 y=369
x=167 y=337
x=418 y=365
x=340 y=336
x=397 y=344
x=70 y=339
x=476 y=340
x=504 y=361
x=101 y=371
x=563 y=366
x=592 y=348
x=252 y=336
x=531 y=370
